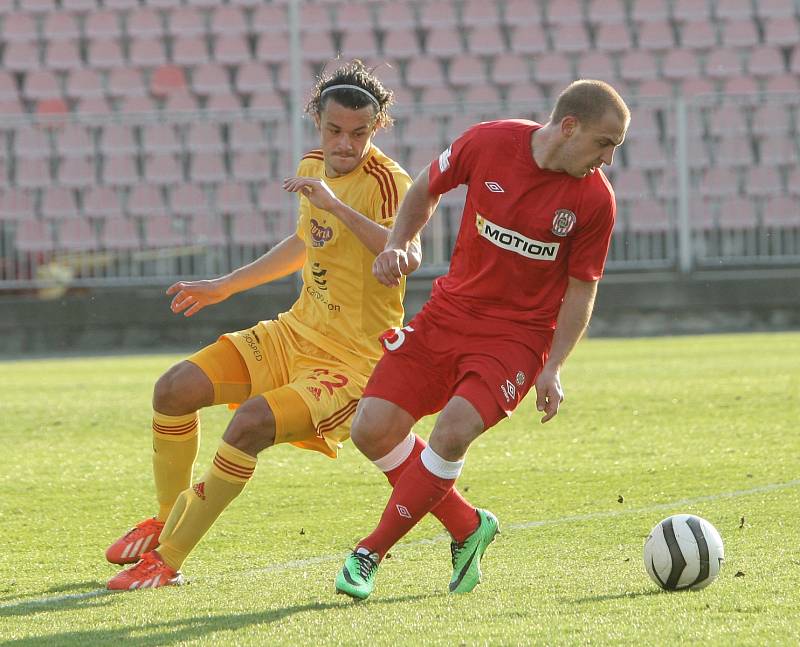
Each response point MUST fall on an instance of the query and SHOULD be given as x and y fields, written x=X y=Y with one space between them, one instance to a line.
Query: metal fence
x=145 y=198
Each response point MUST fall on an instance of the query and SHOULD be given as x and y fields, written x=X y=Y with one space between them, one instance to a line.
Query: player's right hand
x=390 y=266
x=192 y=296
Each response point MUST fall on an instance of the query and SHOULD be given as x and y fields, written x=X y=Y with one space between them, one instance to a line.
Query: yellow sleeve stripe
x=387 y=186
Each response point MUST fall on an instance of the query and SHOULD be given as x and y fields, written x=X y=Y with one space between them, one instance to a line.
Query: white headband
x=351 y=87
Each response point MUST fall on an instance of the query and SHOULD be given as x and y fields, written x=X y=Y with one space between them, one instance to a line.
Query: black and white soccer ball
x=683 y=552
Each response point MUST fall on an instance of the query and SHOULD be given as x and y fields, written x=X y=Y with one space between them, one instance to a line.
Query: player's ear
x=569 y=125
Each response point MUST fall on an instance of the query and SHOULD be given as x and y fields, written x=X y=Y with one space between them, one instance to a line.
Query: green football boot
x=357 y=577
x=467 y=555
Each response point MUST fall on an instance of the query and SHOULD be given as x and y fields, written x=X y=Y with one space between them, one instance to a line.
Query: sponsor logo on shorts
x=563 y=222
x=509 y=391
x=248 y=339
x=520 y=378
x=320 y=234
x=316 y=392
x=403 y=511
x=515 y=242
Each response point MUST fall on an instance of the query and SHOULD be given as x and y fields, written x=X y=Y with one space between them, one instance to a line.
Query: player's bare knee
x=365 y=430
x=184 y=388
x=252 y=428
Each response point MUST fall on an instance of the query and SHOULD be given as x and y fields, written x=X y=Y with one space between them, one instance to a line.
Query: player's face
x=589 y=146
x=345 y=135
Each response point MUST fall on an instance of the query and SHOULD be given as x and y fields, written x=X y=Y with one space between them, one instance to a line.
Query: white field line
x=526 y=525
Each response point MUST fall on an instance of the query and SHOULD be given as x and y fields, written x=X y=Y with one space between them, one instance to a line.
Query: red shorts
x=440 y=355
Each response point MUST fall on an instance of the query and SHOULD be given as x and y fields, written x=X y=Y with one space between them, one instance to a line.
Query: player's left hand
x=549 y=394
x=318 y=193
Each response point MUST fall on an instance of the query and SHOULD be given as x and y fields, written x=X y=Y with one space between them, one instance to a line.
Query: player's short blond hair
x=588 y=101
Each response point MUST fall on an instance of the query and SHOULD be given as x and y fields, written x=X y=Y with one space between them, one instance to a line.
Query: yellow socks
x=175 y=443
x=198 y=507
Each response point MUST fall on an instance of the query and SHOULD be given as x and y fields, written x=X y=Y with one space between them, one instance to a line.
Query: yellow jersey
x=342 y=307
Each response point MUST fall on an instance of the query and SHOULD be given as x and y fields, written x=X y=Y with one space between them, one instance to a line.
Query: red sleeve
x=453 y=166
x=587 y=256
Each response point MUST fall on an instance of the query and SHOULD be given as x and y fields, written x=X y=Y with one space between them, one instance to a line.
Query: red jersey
x=524 y=230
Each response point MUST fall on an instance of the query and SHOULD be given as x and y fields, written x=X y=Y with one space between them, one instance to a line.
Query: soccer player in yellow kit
x=298 y=378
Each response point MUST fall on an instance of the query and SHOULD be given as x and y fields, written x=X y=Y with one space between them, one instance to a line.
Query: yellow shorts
x=312 y=394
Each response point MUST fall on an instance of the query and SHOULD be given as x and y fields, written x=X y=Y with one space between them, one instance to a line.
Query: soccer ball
x=683 y=552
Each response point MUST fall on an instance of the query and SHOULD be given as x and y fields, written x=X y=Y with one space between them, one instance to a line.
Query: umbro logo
x=403 y=511
x=494 y=187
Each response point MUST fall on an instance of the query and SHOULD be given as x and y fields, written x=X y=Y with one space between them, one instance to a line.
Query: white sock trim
x=396 y=457
x=438 y=466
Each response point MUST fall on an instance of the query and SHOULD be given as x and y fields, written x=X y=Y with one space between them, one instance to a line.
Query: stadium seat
x=210 y=78
x=62 y=56
x=267 y=101
x=643 y=11
x=688 y=10
x=40 y=84
x=270 y=197
x=185 y=22
x=743 y=84
x=524 y=96
x=19 y=27
x=596 y=65
x=606 y=12
x=121 y=5
x=782 y=32
x=21 y=57
x=231 y=49
x=353 y=17
x=648 y=216
x=253 y=77
x=31 y=142
x=77 y=235
x=772 y=119
x=570 y=38
x=443 y=42
x=480 y=13
x=645 y=153
x=736 y=212
x=34 y=236
x=733 y=10
x=15 y=204
x=189 y=51
x=734 y=151
x=438 y=13
x=315 y=18
x=781 y=211
x=102 y=25
x=424 y=73
x=358 y=44
x=781 y=9
x=101 y=202
x=105 y=54
x=765 y=61
x=204 y=136
x=120 y=233
x=207 y=168
x=8 y=87
x=126 y=82
x=84 y=84
x=739 y=33
x=249 y=229
x=565 y=12
x=787 y=84
x=723 y=63
x=523 y=13
x=207 y=229
x=117 y=138
x=146 y=201
x=228 y=20
x=510 y=69
x=422 y=129
x=163 y=232
x=79 y=6
x=163 y=169
x=777 y=149
x=144 y=23
x=120 y=170
x=719 y=182
x=270 y=19
x=631 y=184
x=76 y=172
x=147 y=52
x=486 y=40
x=700 y=35
x=656 y=36
x=680 y=64
x=553 y=68
x=401 y=44
x=317 y=48
x=58 y=202
x=232 y=198
x=167 y=79
x=92 y=106
x=639 y=66
x=60 y=26
x=181 y=101
x=160 y=138
x=248 y=136
x=466 y=70
x=135 y=105
x=250 y=166
x=188 y=200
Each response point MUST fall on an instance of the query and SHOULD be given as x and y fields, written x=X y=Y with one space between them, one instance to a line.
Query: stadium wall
x=138 y=319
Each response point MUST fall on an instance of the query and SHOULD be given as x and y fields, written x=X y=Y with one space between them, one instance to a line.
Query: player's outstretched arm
x=402 y=254
x=573 y=318
x=286 y=257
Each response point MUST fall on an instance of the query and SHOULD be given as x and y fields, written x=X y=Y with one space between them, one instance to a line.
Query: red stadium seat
x=782 y=32
x=248 y=135
x=401 y=44
x=437 y=13
x=63 y=55
x=778 y=149
x=639 y=66
x=102 y=25
x=105 y=54
x=250 y=166
x=126 y=82
x=510 y=69
x=146 y=201
x=167 y=79
x=424 y=73
x=231 y=49
x=486 y=40
x=698 y=34
x=185 y=22
x=656 y=36
x=724 y=63
x=606 y=12
x=21 y=57
x=688 y=10
x=41 y=84
x=19 y=28
x=84 y=84
x=477 y=13
x=766 y=9
x=719 y=182
x=553 y=68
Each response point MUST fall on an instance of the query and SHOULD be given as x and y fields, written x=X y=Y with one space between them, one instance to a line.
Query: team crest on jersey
x=320 y=234
x=563 y=222
x=520 y=378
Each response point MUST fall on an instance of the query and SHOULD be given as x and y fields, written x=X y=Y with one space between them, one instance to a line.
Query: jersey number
x=394 y=338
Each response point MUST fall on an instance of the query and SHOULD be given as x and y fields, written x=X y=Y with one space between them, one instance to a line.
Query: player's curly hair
x=353 y=73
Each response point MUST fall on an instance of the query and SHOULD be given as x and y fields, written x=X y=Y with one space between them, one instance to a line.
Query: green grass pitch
x=650 y=427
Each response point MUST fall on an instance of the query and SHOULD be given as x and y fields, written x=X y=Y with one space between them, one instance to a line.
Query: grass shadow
x=614 y=596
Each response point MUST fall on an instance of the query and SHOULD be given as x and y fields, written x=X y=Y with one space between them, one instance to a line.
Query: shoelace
x=366 y=565
x=455 y=549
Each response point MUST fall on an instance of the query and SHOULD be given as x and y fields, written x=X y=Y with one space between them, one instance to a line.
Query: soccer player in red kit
x=532 y=246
